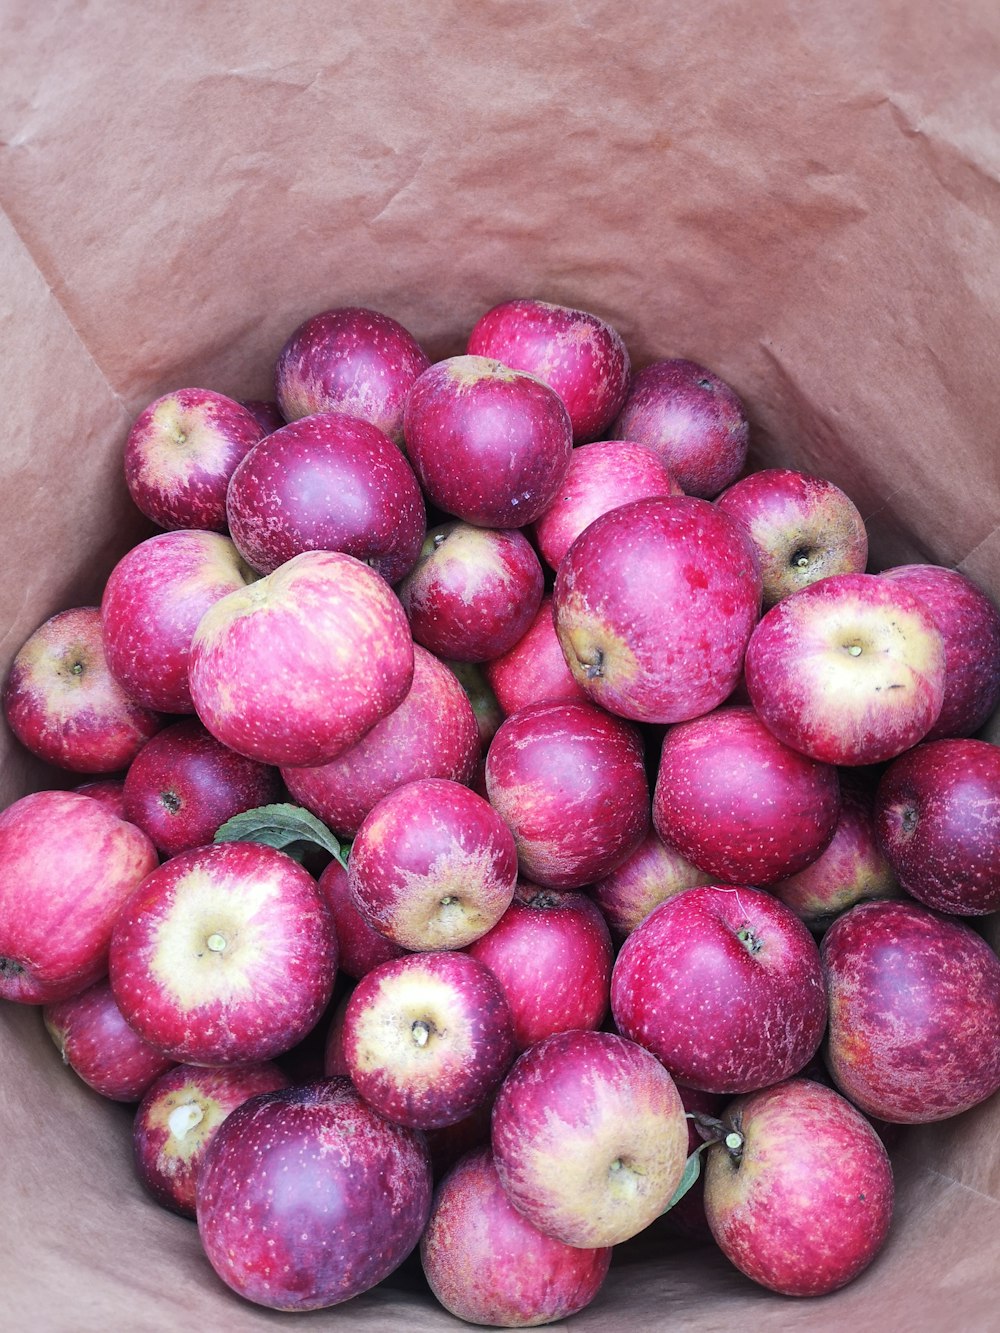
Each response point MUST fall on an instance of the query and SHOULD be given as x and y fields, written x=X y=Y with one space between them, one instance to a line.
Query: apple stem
x=421 y=1032
x=746 y=936
x=854 y=649
x=734 y=1141
x=595 y=668
x=216 y=943
x=710 y=1129
x=183 y=1118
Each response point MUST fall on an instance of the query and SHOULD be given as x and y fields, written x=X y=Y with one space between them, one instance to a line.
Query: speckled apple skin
x=652 y=874
x=576 y=353
x=489 y=444
x=308 y=1197
x=534 y=670
x=810 y=1202
x=295 y=668
x=253 y=999
x=100 y=1047
x=570 y=781
x=487 y=1264
x=152 y=603
x=184 y=784
x=327 y=483
x=433 y=865
x=63 y=704
x=693 y=419
x=914 y=1012
x=180 y=453
x=572 y=1106
x=969 y=622
x=467 y=1050
x=737 y=803
x=835 y=707
x=67 y=864
x=168 y=1163
x=600 y=477
x=360 y=947
x=352 y=361
x=723 y=1015
x=804 y=528
x=552 y=953
x=654 y=604
x=938 y=821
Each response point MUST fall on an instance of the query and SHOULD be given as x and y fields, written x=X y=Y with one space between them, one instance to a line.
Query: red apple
x=473 y=681
x=724 y=985
x=109 y=791
x=360 y=947
x=64 y=705
x=266 y=413
x=652 y=874
x=100 y=1047
x=534 y=670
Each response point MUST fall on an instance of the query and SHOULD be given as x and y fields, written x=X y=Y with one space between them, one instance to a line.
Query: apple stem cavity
x=184 y=1118
x=751 y=941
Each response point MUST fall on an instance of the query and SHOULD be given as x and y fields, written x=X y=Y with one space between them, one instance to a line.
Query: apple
x=474 y=591
x=487 y=1264
x=63 y=704
x=180 y=453
x=67 y=864
x=473 y=681
x=804 y=528
x=224 y=955
x=914 y=1012
x=570 y=781
x=849 y=670
x=100 y=1047
x=738 y=803
x=601 y=476
x=265 y=412
x=490 y=445
x=652 y=874
x=799 y=1195
x=433 y=865
x=937 y=818
x=360 y=947
x=724 y=985
x=433 y=733
x=675 y=655
x=184 y=784
x=693 y=419
x=551 y=952
x=178 y=1118
x=295 y=668
x=576 y=353
x=969 y=621
x=330 y=483
x=534 y=670
x=427 y=1038
x=308 y=1197
x=353 y=361
x=152 y=603
x=109 y=791
x=685 y=1218
x=448 y=1143
x=589 y=1137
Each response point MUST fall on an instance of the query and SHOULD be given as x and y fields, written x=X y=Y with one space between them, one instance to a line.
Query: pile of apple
x=652 y=793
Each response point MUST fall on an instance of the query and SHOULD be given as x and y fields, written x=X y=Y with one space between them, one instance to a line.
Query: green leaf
x=287 y=827
x=692 y=1170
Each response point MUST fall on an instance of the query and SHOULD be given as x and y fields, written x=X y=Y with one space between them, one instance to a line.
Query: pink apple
x=724 y=985
x=152 y=603
x=433 y=865
x=177 y=1119
x=489 y=444
x=570 y=781
x=224 y=955
x=329 y=483
x=427 y=1038
x=360 y=946
x=100 y=1047
x=576 y=353
x=671 y=656
x=693 y=419
x=295 y=668
x=534 y=670
x=849 y=670
x=652 y=874
x=352 y=361
x=804 y=528
x=67 y=864
x=737 y=803
x=589 y=1138
x=180 y=453
x=64 y=705
x=800 y=1194
x=914 y=1012
x=487 y=1264
x=308 y=1197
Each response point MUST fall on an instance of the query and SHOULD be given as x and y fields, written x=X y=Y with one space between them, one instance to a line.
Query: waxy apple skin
x=652 y=874
x=937 y=812
x=308 y=1197
x=487 y=1264
x=724 y=986
x=805 y=1204
x=67 y=865
x=100 y=1047
x=914 y=1012
x=534 y=670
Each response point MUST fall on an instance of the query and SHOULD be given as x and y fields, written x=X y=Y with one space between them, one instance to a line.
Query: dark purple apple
x=360 y=947
x=652 y=874
x=100 y=1047
x=534 y=671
